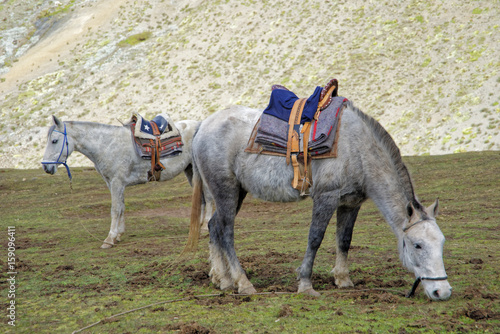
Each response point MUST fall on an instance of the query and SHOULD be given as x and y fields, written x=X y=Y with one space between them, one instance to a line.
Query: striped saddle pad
x=159 y=133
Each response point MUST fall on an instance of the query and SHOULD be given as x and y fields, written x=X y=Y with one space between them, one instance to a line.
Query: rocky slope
x=429 y=71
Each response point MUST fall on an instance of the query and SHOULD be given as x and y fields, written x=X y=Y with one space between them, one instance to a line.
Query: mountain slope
x=429 y=71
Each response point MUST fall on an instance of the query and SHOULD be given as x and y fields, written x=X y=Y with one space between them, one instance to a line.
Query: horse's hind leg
x=324 y=206
x=345 y=225
x=226 y=268
x=219 y=271
x=206 y=209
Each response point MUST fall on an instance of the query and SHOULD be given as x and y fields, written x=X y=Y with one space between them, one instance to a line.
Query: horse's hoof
x=311 y=292
x=106 y=245
x=344 y=284
x=247 y=291
x=226 y=285
x=342 y=279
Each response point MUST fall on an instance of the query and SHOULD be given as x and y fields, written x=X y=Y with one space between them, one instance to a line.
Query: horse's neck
x=95 y=140
x=393 y=190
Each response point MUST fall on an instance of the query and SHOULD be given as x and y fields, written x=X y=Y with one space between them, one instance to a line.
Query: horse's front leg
x=117 y=214
x=345 y=225
x=324 y=206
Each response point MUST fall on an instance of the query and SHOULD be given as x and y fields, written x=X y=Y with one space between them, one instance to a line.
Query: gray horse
x=368 y=165
x=112 y=151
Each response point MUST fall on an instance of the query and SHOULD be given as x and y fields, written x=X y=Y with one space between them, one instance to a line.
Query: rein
x=57 y=162
x=419 y=279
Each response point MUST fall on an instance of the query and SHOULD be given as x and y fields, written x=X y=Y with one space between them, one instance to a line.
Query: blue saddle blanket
x=282 y=100
x=272 y=132
x=159 y=120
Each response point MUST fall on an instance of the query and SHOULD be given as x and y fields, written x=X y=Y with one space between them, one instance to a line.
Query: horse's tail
x=194 y=227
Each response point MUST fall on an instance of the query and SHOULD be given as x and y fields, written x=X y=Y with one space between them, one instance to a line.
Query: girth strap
x=156 y=165
x=294 y=128
x=301 y=176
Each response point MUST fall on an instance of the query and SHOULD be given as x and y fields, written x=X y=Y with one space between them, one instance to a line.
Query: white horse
x=368 y=165
x=112 y=151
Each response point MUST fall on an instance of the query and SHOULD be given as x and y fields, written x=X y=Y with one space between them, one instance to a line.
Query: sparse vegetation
x=135 y=39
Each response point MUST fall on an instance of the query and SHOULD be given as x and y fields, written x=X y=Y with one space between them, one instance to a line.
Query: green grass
x=66 y=282
x=135 y=39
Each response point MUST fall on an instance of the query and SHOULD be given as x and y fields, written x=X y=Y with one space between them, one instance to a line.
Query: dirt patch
x=478 y=313
x=197 y=274
x=64 y=268
x=191 y=328
x=285 y=311
x=142 y=278
x=223 y=299
x=26 y=243
x=21 y=266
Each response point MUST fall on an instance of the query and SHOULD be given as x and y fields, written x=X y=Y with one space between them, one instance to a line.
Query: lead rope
x=413 y=288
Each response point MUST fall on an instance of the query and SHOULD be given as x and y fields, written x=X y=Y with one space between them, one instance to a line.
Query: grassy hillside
x=428 y=70
x=65 y=282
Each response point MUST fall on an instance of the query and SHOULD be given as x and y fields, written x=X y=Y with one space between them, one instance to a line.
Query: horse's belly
x=266 y=177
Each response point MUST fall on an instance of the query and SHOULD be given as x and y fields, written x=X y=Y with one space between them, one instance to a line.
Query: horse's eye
x=417 y=246
x=54 y=141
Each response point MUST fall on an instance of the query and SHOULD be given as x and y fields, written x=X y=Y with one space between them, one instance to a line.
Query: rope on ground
x=79 y=220
x=112 y=317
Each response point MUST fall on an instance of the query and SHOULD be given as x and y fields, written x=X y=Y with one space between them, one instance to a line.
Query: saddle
x=155 y=140
x=306 y=131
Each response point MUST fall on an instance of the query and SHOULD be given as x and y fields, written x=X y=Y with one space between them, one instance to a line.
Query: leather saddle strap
x=293 y=128
x=156 y=133
x=153 y=160
x=156 y=165
x=327 y=96
x=306 y=130
x=301 y=178
x=296 y=171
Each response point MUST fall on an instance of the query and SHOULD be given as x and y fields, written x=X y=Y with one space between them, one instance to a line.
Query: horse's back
x=238 y=118
x=218 y=148
x=225 y=130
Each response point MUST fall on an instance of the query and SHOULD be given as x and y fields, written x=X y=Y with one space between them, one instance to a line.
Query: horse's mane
x=392 y=149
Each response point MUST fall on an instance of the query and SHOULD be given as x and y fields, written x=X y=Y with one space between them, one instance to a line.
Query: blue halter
x=65 y=141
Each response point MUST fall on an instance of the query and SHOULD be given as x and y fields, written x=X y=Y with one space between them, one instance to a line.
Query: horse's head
x=58 y=147
x=422 y=251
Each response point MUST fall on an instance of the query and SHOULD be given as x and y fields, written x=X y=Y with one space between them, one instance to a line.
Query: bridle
x=417 y=282
x=419 y=279
x=65 y=144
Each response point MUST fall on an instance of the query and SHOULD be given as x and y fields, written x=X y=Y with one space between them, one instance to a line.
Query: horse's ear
x=180 y=126
x=413 y=215
x=57 y=122
x=433 y=210
x=410 y=210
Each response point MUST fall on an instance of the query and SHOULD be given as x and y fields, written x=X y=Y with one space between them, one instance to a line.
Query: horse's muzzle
x=50 y=169
x=437 y=290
